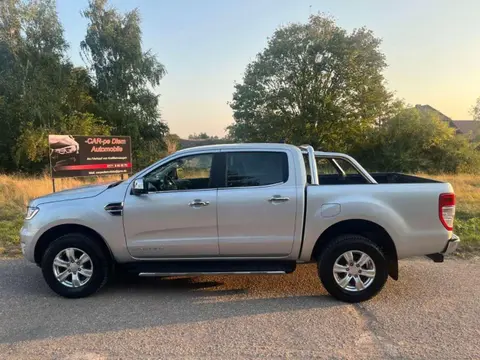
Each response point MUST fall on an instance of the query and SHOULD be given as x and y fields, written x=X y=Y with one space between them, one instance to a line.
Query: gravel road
x=432 y=312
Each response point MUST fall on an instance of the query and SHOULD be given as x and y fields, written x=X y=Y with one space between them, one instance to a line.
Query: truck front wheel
x=74 y=266
x=352 y=268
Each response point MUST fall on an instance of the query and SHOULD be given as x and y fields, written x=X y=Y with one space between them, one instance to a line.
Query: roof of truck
x=246 y=146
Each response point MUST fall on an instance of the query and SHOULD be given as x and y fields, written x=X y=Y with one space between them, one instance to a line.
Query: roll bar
x=332 y=156
x=311 y=162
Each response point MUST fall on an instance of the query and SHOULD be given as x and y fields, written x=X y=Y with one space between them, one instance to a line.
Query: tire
x=98 y=265
x=352 y=291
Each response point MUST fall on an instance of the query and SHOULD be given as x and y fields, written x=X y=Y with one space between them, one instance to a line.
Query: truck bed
x=399 y=178
x=381 y=178
x=408 y=211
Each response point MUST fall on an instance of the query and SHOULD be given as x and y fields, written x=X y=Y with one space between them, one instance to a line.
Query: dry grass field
x=16 y=191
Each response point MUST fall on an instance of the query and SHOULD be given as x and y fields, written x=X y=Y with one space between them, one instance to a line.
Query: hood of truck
x=82 y=192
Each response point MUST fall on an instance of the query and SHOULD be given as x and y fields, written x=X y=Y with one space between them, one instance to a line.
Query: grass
x=467 y=219
x=16 y=191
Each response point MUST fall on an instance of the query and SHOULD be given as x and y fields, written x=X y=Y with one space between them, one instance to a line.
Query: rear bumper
x=451 y=247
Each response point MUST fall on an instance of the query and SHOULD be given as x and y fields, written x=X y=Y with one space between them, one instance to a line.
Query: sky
x=432 y=49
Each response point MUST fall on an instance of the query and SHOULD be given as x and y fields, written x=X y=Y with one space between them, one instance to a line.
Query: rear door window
x=246 y=169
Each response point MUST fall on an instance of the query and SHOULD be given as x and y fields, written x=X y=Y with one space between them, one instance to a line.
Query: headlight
x=31 y=212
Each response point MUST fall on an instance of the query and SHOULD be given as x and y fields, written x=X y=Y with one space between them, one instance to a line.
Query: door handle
x=278 y=199
x=198 y=203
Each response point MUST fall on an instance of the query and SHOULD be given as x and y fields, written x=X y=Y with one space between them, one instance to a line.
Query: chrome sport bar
x=311 y=162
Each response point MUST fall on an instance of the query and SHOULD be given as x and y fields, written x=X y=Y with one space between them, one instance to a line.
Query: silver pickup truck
x=242 y=209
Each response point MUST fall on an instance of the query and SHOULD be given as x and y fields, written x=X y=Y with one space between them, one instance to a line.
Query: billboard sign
x=89 y=155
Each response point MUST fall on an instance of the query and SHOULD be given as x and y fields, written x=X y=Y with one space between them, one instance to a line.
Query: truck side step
x=147 y=274
x=209 y=267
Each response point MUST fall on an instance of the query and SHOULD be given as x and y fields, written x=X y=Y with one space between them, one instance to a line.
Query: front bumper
x=27 y=241
x=451 y=247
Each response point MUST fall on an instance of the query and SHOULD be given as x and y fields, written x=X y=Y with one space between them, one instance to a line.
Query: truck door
x=178 y=215
x=257 y=205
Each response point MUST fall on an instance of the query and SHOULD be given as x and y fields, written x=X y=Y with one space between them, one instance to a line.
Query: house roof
x=467 y=126
x=442 y=116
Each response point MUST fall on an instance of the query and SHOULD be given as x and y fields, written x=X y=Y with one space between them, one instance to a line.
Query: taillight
x=446 y=210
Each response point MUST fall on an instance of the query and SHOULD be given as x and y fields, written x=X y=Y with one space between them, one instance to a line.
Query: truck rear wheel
x=352 y=268
x=74 y=266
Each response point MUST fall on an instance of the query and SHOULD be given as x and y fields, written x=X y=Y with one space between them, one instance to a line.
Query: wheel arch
x=370 y=230
x=55 y=232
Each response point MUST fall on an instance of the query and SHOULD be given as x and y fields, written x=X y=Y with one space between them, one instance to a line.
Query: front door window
x=187 y=173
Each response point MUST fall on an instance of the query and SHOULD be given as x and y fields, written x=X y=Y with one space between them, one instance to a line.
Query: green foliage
x=172 y=142
x=11 y=219
x=42 y=93
x=32 y=145
x=417 y=141
x=476 y=110
x=468 y=229
x=475 y=137
x=313 y=83
x=123 y=75
x=201 y=136
x=34 y=73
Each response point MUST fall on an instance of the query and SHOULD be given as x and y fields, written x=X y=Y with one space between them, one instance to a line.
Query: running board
x=279 y=272
x=209 y=267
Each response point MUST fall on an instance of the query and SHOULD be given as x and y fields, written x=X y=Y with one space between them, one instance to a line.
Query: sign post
x=72 y=156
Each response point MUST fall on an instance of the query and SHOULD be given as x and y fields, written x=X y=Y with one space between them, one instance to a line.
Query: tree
x=417 y=141
x=39 y=87
x=123 y=76
x=476 y=110
x=313 y=83
x=476 y=116
x=202 y=136
x=173 y=142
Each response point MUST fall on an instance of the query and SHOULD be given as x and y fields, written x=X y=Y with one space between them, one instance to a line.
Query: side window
x=256 y=168
x=187 y=173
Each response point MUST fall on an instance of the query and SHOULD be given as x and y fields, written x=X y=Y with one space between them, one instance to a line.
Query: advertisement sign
x=89 y=155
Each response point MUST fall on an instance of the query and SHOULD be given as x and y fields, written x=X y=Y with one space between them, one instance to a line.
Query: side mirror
x=139 y=187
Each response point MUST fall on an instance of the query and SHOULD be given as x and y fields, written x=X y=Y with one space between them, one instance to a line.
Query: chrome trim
x=253 y=187
x=258 y=257
x=312 y=163
x=198 y=203
x=114 y=209
x=339 y=167
x=452 y=245
x=278 y=198
x=183 y=190
x=352 y=162
x=151 y=274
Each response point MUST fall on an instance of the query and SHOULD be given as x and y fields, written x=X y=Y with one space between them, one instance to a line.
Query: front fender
x=89 y=214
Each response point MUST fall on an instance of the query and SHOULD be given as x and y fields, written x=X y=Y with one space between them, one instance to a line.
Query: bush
x=415 y=141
